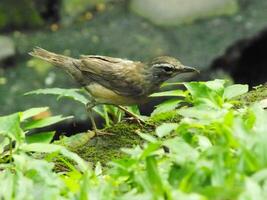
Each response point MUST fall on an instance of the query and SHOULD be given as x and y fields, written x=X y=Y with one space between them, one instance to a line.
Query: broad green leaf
x=44 y=137
x=32 y=112
x=235 y=90
x=7 y=180
x=10 y=126
x=70 y=93
x=151 y=149
x=263 y=103
x=154 y=177
x=44 y=122
x=166 y=106
x=41 y=147
x=180 y=151
x=252 y=191
x=4 y=141
x=82 y=165
x=75 y=94
x=172 y=93
x=209 y=93
x=165 y=129
x=147 y=137
x=216 y=85
x=203 y=142
x=198 y=89
x=260 y=175
x=98 y=169
x=202 y=113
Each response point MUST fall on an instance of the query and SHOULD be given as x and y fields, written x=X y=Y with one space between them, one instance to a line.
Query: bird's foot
x=141 y=122
x=137 y=120
x=101 y=133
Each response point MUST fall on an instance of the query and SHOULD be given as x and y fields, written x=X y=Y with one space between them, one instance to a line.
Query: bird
x=116 y=81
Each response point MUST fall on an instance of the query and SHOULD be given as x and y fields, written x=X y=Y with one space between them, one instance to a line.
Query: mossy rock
x=103 y=148
x=255 y=95
x=125 y=135
x=176 y=12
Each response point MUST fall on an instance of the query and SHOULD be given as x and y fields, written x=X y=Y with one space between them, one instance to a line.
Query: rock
x=175 y=12
x=7 y=48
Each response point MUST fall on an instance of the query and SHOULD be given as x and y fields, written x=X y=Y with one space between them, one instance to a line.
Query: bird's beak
x=185 y=69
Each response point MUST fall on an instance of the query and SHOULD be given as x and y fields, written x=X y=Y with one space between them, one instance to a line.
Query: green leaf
x=235 y=90
x=165 y=129
x=32 y=112
x=172 y=93
x=44 y=122
x=202 y=113
x=147 y=137
x=41 y=147
x=44 y=137
x=134 y=109
x=180 y=151
x=216 y=85
x=166 y=106
x=50 y=148
x=74 y=94
x=98 y=169
x=10 y=126
x=150 y=149
x=154 y=177
x=209 y=93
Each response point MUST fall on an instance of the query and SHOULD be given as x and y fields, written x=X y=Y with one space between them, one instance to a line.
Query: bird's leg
x=89 y=107
x=139 y=120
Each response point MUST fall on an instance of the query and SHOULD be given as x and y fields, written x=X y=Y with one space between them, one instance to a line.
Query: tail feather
x=53 y=58
x=66 y=63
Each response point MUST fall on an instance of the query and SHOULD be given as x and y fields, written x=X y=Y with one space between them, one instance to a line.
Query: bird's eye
x=167 y=69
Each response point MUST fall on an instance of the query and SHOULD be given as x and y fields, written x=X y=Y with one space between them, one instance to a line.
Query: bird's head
x=165 y=67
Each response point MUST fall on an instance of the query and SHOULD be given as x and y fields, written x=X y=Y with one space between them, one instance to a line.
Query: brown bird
x=113 y=80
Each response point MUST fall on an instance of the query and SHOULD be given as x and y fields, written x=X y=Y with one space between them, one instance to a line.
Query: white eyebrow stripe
x=163 y=65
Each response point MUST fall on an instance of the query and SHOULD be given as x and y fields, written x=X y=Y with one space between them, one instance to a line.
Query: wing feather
x=121 y=76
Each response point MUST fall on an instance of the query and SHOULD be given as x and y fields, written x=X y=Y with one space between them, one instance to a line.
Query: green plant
x=216 y=151
x=109 y=113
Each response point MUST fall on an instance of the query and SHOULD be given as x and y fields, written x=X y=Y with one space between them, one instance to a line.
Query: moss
x=105 y=147
x=165 y=117
x=108 y=147
x=257 y=94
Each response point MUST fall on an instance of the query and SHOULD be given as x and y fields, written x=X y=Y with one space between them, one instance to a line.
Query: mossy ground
x=257 y=94
x=104 y=148
x=125 y=135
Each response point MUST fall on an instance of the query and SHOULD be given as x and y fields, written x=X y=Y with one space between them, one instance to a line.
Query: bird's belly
x=107 y=96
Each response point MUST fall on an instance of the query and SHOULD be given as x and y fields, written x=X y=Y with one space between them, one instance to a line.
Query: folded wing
x=120 y=75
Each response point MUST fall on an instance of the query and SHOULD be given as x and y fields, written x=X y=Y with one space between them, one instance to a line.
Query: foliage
x=216 y=151
x=24 y=14
x=109 y=113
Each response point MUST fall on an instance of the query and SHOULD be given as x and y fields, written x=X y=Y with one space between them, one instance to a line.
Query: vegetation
x=212 y=147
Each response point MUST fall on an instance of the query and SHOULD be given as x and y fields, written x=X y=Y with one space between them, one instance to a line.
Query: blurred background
x=222 y=38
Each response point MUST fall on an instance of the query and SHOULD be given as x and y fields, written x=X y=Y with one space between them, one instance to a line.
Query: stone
x=175 y=12
x=7 y=48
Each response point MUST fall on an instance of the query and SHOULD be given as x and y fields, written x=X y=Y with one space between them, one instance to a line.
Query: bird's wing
x=119 y=75
x=105 y=58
